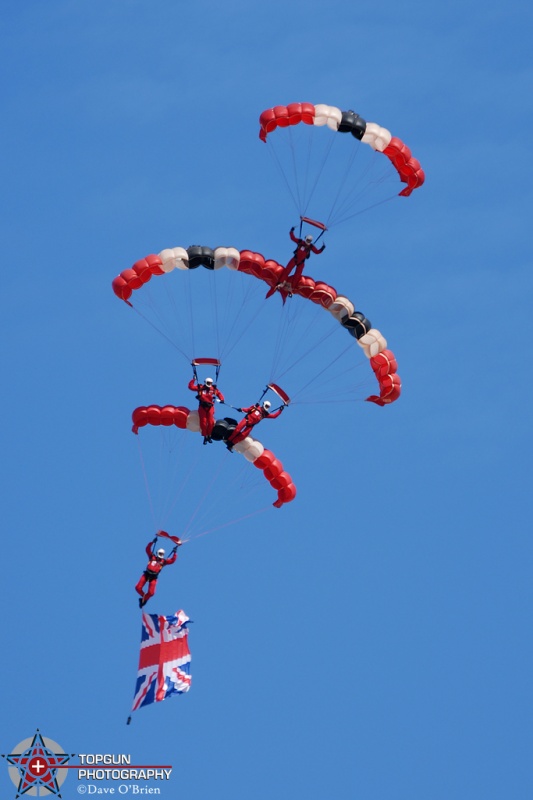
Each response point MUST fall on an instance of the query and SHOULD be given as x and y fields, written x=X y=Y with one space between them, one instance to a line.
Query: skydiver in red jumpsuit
x=254 y=414
x=156 y=563
x=206 y=394
x=304 y=248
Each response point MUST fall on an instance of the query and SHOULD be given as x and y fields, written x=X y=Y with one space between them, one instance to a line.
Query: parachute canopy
x=196 y=362
x=206 y=362
x=280 y=392
x=370 y=339
x=175 y=539
x=252 y=450
x=378 y=138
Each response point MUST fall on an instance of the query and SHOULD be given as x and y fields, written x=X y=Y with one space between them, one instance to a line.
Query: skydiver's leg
x=151 y=590
x=203 y=418
x=282 y=289
x=140 y=584
x=282 y=278
x=236 y=431
x=287 y=271
x=238 y=435
x=210 y=422
x=294 y=279
x=231 y=440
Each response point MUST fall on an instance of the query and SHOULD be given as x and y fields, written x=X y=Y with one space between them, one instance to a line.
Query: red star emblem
x=37 y=765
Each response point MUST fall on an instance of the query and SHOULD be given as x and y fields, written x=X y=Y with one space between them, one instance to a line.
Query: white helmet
x=161 y=553
x=267 y=404
x=209 y=381
x=308 y=238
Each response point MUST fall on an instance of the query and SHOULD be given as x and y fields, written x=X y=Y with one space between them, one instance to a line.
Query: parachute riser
x=279 y=392
x=206 y=361
x=319 y=235
x=315 y=224
x=264 y=393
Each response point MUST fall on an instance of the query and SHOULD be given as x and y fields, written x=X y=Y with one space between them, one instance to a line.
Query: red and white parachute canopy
x=378 y=138
x=252 y=450
x=369 y=339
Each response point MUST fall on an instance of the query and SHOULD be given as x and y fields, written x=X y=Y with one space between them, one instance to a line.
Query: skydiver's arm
x=171 y=560
x=193 y=386
x=149 y=549
x=316 y=250
x=293 y=237
x=275 y=413
x=219 y=395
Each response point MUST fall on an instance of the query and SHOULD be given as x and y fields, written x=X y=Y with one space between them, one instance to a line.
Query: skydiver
x=206 y=394
x=287 y=282
x=254 y=414
x=156 y=563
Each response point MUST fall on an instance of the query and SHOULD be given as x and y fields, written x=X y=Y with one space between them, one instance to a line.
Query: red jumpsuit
x=151 y=573
x=206 y=407
x=254 y=414
x=297 y=262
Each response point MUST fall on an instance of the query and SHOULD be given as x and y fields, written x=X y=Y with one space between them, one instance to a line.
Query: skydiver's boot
x=141 y=602
x=292 y=283
x=206 y=439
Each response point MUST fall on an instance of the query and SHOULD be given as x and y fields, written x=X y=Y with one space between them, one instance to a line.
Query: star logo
x=36 y=766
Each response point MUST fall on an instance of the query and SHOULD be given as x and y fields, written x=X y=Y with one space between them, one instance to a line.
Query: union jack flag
x=165 y=659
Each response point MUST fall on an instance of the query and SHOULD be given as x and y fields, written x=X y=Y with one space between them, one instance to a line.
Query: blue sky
x=370 y=640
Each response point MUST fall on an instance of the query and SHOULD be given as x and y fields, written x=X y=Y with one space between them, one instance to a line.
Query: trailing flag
x=164 y=660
